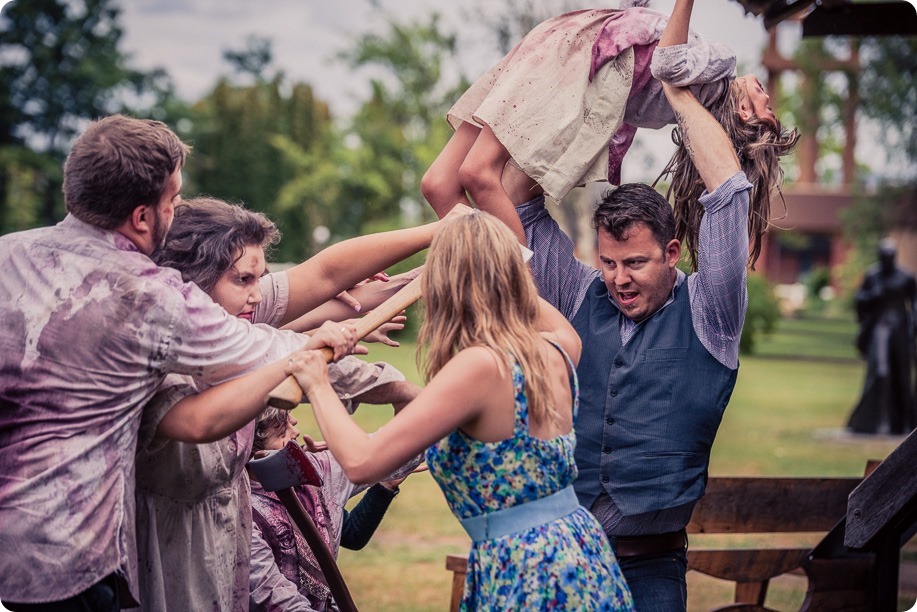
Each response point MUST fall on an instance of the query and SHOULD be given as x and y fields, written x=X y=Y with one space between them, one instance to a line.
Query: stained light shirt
x=90 y=327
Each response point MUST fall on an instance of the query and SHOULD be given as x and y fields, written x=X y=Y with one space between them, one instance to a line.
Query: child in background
x=275 y=535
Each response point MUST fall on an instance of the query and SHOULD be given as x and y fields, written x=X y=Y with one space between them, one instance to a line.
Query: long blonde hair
x=759 y=145
x=478 y=292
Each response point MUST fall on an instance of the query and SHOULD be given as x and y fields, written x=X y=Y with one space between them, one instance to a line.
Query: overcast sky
x=188 y=37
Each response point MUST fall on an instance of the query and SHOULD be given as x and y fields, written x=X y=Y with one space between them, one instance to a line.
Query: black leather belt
x=638 y=546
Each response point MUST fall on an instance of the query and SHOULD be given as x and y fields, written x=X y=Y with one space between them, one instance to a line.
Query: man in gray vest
x=660 y=351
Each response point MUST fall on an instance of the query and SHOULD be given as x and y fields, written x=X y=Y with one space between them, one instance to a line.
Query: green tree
x=60 y=65
x=254 y=59
x=250 y=140
x=401 y=128
x=817 y=103
x=345 y=184
x=888 y=94
x=762 y=314
x=365 y=177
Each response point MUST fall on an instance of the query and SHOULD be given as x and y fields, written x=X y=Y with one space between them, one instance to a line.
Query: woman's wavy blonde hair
x=478 y=292
x=759 y=145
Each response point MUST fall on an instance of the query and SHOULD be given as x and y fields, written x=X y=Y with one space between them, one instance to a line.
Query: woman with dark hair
x=563 y=106
x=193 y=506
x=496 y=418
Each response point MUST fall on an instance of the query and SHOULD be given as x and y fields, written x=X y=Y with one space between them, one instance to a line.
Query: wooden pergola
x=838 y=17
x=863 y=549
x=813 y=209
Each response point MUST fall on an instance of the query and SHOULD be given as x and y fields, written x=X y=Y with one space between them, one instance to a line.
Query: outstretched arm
x=360 y=524
x=457 y=395
x=398 y=393
x=369 y=295
x=346 y=263
x=216 y=412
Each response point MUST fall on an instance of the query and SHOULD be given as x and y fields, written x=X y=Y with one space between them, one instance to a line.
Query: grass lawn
x=785 y=418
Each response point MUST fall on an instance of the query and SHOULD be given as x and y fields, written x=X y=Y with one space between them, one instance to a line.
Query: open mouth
x=627 y=298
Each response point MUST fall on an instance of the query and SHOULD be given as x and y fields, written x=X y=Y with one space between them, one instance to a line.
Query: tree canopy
x=60 y=66
x=272 y=144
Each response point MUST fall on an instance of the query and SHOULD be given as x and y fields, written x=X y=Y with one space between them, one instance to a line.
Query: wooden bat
x=287 y=395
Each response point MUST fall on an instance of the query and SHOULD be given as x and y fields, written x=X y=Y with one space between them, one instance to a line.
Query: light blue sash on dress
x=522 y=517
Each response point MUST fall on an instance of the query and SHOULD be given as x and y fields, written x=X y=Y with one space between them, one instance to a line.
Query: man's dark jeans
x=657 y=582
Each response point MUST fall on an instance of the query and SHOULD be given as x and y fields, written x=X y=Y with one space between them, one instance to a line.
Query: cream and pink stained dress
x=194 y=519
x=566 y=101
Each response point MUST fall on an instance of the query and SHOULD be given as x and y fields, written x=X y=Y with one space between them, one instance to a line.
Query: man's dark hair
x=118 y=164
x=631 y=203
x=207 y=237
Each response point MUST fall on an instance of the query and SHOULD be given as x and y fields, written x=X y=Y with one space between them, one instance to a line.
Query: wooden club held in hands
x=287 y=395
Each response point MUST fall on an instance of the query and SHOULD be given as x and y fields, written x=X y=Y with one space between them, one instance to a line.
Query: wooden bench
x=746 y=505
x=757 y=505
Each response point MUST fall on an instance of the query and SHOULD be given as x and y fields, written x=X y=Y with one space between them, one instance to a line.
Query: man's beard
x=160 y=231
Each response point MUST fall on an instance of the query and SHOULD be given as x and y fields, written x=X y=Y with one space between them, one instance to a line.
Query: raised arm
x=710 y=148
x=720 y=298
x=677 y=29
x=704 y=138
x=346 y=263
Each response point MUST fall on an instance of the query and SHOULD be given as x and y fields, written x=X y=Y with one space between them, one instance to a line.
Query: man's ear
x=672 y=252
x=141 y=220
x=140 y=228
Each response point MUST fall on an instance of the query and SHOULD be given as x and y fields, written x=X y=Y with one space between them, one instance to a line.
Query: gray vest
x=649 y=410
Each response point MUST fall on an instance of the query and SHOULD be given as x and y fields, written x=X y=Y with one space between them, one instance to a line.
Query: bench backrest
x=763 y=505
x=771 y=504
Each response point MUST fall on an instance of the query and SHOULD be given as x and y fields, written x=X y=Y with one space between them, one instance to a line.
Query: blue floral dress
x=565 y=564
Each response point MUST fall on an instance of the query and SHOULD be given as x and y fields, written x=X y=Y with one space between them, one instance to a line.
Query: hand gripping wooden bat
x=287 y=395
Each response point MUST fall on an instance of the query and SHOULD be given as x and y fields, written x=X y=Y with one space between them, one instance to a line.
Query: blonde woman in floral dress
x=496 y=419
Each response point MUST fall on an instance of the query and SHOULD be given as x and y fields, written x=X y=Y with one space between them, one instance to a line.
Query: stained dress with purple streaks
x=285 y=573
x=194 y=519
x=567 y=100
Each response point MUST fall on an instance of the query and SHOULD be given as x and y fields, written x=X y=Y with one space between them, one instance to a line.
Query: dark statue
x=885 y=305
